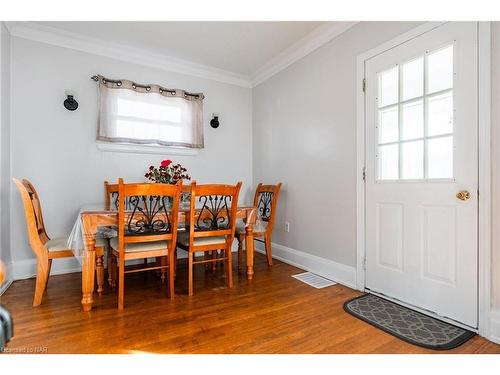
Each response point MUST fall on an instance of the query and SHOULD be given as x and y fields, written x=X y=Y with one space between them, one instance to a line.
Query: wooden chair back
x=153 y=214
x=111 y=196
x=266 y=201
x=34 y=218
x=216 y=213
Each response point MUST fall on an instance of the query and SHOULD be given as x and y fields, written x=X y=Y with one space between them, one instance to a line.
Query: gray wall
x=495 y=162
x=56 y=148
x=4 y=144
x=304 y=134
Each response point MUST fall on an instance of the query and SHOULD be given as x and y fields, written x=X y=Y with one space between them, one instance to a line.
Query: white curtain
x=149 y=114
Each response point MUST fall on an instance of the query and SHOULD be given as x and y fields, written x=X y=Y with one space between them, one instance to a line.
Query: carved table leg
x=88 y=269
x=249 y=248
x=99 y=272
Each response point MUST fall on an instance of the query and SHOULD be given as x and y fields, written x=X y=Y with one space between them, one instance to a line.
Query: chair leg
x=112 y=271
x=229 y=266
x=121 y=283
x=240 y=252
x=171 y=275
x=190 y=273
x=163 y=271
x=175 y=263
x=269 y=252
x=108 y=267
x=215 y=255
x=207 y=255
x=48 y=273
x=42 y=276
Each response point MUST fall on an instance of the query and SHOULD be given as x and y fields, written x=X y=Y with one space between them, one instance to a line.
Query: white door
x=421 y=151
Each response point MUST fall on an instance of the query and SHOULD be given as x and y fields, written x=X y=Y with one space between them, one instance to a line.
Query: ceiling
x=238 y=47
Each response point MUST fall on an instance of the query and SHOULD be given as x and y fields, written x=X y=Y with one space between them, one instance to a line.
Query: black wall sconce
x=214 y=122
x=70 y=103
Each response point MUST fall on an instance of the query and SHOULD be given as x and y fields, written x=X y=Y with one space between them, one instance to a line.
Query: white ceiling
x=238 y=47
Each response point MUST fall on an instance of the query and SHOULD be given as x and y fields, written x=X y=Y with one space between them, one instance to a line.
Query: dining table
x=92 y=219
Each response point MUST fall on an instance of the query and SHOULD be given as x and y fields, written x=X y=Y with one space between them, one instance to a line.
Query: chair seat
x=135 y=247
x=257 y=232
x=183 y=239
x=57 y=244
x=61 y=244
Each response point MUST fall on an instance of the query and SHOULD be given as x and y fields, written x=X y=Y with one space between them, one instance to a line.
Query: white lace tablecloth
x=76 y=238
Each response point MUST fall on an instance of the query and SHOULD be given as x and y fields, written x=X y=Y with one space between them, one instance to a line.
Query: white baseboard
x=8 y=279
x=26 y=268
x=494 y=326
x=341 y=273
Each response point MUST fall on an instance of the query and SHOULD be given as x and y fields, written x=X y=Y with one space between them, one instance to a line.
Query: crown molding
x=66 y=39
x=61 y=38
x=318 y=37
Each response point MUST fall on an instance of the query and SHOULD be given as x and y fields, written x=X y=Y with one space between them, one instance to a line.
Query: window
x=415 y=118
x=130 y=113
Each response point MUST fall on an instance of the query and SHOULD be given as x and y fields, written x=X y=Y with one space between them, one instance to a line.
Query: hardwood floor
x=272 y=314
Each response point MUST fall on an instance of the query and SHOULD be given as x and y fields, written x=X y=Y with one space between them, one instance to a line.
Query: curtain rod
x=147 y=87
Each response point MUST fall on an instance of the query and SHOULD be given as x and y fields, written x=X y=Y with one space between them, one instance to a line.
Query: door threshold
x=423 y=311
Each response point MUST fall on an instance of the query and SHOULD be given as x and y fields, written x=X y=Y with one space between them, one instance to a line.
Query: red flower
x=166 y=163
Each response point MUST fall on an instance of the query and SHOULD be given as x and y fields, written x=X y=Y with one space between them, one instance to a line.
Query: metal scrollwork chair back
x=148 y=210
x=215 y=206
x=214 y=213
x=149 y=215
x=266 y=201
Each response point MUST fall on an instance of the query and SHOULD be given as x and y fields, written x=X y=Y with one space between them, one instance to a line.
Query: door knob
x=463 y=195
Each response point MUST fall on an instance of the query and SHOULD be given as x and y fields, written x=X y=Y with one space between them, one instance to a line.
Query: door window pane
x=440 y=70
x=440 y=114
x=415 y=119
x=412 y=160
x=388 y=87
x=388 y=162
x=388 y=129
x=412 y=120
x=412 y=74
x=440 y=157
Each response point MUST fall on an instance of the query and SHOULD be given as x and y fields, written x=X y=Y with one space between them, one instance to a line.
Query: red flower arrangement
x=167 y=173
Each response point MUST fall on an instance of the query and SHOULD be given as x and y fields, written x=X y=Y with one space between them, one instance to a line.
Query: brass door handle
x=463 y=195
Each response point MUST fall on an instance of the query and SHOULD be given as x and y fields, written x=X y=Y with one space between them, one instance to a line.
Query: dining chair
x=211 y=226
x=266 y=201
x=111 y=203
x=45 y=249
x=146 y=229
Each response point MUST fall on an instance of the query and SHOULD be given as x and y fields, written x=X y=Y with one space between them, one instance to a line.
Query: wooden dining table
x=93 y=219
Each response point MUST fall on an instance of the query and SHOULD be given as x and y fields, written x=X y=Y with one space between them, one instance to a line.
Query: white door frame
x=484 y=182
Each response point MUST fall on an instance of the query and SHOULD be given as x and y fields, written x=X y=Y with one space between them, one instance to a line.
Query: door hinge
x=364 y=84
x=364 y=173
x=364 y=262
